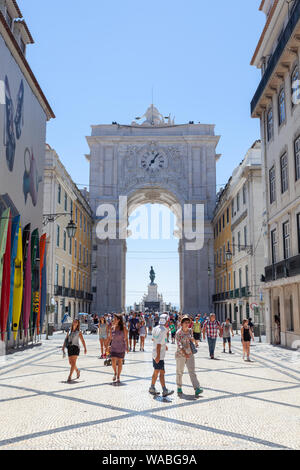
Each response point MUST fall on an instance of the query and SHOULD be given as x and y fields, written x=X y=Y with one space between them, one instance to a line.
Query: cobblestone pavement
x=244 y=406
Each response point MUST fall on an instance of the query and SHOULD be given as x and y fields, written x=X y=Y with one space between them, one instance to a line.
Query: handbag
x=193 y=348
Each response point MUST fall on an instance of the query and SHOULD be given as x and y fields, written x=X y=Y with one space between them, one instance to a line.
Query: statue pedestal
x=152 y=293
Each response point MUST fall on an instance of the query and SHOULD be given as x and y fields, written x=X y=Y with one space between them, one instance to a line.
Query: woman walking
x=103 y=335
x=72 y=344
x=246 y=334
x=143 y=334
x=119 y=345
x=197 y=331
x=184 y=356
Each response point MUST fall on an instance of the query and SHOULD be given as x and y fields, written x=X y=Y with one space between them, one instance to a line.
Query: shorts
x=159 y=366
x=142 y=336
x=133 y=335
x=103 y=337
x=196 y=336
x=174 y=334
x=73 y=350
x=227 y=340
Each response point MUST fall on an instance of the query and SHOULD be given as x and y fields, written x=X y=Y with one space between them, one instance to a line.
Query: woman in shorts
x=143 y=334
x=197 y=331
x=72 y=344
x=103 y=335
x=246 y=334
x=119 y=345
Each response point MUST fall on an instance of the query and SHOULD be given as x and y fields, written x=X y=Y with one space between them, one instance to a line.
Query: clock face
x=153 y=160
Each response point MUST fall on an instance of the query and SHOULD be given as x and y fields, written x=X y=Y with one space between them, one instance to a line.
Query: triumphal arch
x=152 y=160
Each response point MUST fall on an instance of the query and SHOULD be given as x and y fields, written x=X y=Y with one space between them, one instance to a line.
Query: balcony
x=282 y=44
x=57 y=290
x=283 y=269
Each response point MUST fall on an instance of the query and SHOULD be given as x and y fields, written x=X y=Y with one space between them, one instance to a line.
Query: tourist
x=277 y=329
x=159 y=335
x=156 y=320
x=133 y=331
x=143 y=334
x=212 y=326
x=197 y=331
x=119 y=345
x=246 y=335
x=73 y=346
x=227 y=332
x=173 y=330
x=103 y=331
x=185 y=357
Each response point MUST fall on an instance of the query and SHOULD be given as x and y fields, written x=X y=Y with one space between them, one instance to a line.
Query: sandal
x=114 y=378
x=78 y=374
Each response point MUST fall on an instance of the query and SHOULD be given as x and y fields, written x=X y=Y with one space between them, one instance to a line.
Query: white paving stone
x=244 y=406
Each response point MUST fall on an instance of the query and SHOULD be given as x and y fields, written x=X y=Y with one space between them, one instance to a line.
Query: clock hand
x=152 y=161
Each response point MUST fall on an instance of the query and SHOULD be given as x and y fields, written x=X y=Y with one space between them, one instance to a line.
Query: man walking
x=159 y=335
x=227 y=332
x=211 y=326
x=133 y=331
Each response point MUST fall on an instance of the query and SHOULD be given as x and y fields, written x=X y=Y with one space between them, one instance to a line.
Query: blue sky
x=97 y=62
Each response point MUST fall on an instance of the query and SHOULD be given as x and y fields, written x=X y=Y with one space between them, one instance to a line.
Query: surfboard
x=13 y=255
x=43 y=293
x=42 y=260
x=5 y=291
x=18 y=286
x=26 y=307
x=35 y=279
x=3 y=236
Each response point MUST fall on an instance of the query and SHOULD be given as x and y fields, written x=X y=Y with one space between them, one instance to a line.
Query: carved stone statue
x=152 y=275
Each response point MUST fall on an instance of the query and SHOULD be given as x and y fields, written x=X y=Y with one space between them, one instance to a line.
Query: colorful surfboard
x=13 y=255
x=43 y=293
x=3 y=236
x=18 y=286
x=42 y=260
x=35 y=280
x=26 y=308
x=5 y=291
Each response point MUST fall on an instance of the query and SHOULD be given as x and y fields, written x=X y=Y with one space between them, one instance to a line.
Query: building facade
x=239 y=244
x=68 y=260
x=24 y=112
x=276 y=104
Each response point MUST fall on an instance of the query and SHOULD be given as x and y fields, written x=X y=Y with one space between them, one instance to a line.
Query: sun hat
x=163 y=319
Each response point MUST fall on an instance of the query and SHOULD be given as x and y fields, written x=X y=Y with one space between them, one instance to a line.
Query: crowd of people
x=122 y=333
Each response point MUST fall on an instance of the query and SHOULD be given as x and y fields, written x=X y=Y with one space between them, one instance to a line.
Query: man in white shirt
x=159 y=335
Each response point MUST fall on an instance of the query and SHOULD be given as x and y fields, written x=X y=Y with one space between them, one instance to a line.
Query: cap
x=163 y=319
x=185 y=318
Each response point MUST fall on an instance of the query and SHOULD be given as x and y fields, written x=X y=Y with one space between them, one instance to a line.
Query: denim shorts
x=159 y=366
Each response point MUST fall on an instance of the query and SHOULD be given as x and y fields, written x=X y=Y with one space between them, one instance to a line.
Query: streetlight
x=71 y=229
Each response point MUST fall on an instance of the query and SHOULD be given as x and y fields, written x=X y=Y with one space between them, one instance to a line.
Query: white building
x=276 y=104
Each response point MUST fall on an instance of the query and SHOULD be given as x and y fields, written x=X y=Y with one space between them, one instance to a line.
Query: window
x=281 y=106
x=80 y=220
x=239 y=241
x=59 y=194
x=240 y=278
x=75 y=248
x=220 y=226
x=286 y=240
x=298 y=231
x=244 y=194
x=65 y=240
x=233 y=246
x=234 y=280
x=272 y=185
x=284 y=173
x=247 y=276
x=238 y=202
x=270 y=124
x=229 y=281
x=66 y=201
x=297 y=158
x=80 y=253
x=76 y=215
x=70 y=246
x=274 y=246
x=74 y=286
x=64 y=277
x=290 y=316
x=69 y=283
x=295 y=86
x=57 y=235
x=245 y=236
x=9 y=19
x=56 y=274
x=232 y=209
x=84 y=224
x=227 y=215
x=223 y=220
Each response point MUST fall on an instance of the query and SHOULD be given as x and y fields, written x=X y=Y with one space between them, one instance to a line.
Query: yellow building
x=222 y=255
